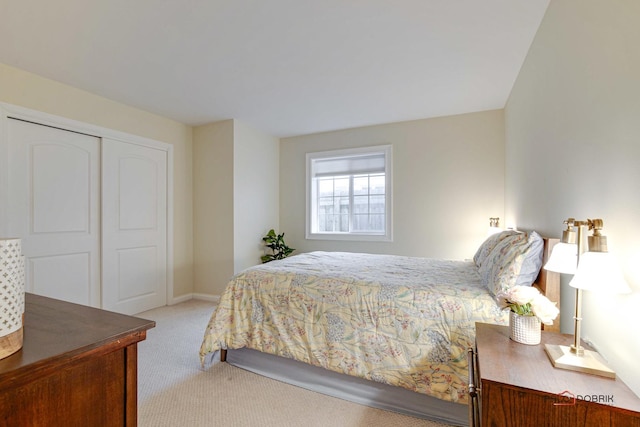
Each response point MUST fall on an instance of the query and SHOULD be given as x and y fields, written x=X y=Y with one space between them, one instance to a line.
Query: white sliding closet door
x=54 y=207
x=134 y=224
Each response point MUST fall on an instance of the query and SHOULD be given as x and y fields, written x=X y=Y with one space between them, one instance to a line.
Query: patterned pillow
x=532 y=260
x=501 y=268
x=487 y=246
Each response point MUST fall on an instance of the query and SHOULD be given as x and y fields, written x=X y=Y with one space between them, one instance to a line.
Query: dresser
x=77 y=367
x=516 y=385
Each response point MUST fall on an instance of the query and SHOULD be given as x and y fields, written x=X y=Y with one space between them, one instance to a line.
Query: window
x=349 y=194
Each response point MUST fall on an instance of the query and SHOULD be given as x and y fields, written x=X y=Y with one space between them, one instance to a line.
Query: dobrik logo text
x=567 y=398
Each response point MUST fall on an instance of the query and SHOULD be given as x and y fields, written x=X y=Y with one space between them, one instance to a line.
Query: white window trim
x=387 y=236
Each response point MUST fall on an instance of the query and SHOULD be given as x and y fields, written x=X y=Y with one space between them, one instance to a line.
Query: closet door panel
x=54 y=207
x=138 y=198
x=60 y=181
x=72 y=271
x=134 y=239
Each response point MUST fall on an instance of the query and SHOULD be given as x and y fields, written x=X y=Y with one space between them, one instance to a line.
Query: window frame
x=387 y=235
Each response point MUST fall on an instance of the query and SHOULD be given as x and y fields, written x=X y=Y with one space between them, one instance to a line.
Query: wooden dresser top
x=57 y=331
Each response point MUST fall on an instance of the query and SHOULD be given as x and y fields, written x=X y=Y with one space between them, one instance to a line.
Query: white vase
x=524 y=329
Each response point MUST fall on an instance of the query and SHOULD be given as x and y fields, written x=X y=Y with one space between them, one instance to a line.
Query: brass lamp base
x=591 y=362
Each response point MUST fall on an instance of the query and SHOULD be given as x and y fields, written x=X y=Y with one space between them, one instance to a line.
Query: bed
x=398 y=327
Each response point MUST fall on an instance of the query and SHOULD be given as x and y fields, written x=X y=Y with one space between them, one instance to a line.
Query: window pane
x=335 y=223
x=373 y=223
x=325 y=187
x=325 y=205
x=344 y=223
x=341 y=186
x=368 y=204
x=324 y=223
x=377 y=184
x=377 y=204
x=360 y=222
x=361 y=184
x=360 y=204
x=377 y=222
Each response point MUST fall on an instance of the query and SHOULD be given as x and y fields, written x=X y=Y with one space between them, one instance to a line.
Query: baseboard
x=203 y=297
x=207 y=297
x=181 y=298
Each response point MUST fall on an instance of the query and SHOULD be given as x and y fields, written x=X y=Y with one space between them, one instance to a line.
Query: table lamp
x=594 y=269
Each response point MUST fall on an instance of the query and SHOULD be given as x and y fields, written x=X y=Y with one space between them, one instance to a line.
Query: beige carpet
x=173 y=390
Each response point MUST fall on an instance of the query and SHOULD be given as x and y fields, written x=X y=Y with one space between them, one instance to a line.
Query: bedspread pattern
x=397 y=320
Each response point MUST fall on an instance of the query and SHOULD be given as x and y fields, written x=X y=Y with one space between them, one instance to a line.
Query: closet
x=91 y=207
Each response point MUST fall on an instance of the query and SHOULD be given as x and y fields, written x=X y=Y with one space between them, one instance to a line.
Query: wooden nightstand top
x=504 y=361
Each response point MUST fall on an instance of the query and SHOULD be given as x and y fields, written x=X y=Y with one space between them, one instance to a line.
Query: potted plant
x=528 y=308
x=278 y=247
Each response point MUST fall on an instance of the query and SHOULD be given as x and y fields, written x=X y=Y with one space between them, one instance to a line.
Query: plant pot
x=524 y=329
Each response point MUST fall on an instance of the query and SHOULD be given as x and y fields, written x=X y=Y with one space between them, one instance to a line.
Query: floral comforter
x=397 y=320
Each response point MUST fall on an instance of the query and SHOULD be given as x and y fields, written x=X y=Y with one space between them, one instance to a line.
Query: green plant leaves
x=278 y=247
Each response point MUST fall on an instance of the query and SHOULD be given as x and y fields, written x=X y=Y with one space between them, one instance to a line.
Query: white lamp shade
x=599 y=271
x=563 y=259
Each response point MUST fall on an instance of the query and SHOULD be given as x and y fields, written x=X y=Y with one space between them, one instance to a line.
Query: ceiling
x=284 y=67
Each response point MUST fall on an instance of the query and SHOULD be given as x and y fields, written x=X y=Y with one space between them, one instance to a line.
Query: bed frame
x=367 y=392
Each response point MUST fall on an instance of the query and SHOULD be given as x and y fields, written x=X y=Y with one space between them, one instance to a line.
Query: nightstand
x=514 y=384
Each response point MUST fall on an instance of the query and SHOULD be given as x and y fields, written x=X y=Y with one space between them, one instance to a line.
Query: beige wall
x=213 y=206
x=256 y=198
x=573 y=150
x=28 y=90
x=235 y=200
x=448 y=179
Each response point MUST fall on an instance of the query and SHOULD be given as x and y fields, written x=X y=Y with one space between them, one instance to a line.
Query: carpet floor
x=174 y=390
